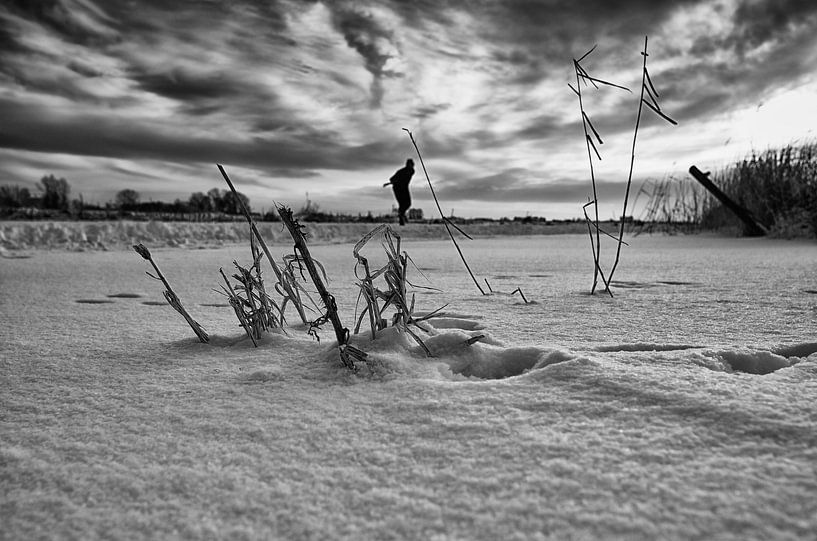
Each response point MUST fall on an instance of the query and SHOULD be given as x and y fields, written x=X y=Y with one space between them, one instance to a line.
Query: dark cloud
x=764 y=21
x=370 y=39
x=75 y=21
x=180 y=84
x=523 y=186
x=27 y=128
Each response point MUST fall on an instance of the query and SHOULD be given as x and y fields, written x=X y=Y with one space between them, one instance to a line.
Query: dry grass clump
x=384 y=289
x=256 y=311
x=674 y=205
x=395 y=293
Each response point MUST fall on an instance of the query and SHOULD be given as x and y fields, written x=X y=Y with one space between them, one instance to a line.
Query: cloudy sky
x=301 y=96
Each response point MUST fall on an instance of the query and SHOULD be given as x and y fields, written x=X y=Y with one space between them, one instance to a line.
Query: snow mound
x=459 y=351
x=759 y=362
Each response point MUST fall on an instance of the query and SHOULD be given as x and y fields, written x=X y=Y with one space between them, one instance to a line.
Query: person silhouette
x=400 y=185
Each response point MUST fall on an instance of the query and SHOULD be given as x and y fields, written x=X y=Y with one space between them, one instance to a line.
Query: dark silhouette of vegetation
x=127 y=199
x=15 y=197
x=54 y=201
x=56 y=192
x=778 y=187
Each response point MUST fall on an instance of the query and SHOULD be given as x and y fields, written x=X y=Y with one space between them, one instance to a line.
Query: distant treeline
x=53 y=197
x=52 y=200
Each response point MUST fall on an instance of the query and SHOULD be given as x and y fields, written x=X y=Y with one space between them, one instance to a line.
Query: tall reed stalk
x=584 y=79
x=448 y=224
x=648 y=97
x=285 y=280
x=648 y=89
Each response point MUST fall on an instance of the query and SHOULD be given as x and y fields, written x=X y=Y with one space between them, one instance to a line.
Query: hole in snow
x=479 y=356
x=756 y=362
x=797 y=350
x=642 y=347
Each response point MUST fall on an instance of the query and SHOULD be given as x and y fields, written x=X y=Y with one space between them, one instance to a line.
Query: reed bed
x=777 y=186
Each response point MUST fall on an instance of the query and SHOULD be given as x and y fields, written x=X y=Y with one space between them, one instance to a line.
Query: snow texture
x=682 y=408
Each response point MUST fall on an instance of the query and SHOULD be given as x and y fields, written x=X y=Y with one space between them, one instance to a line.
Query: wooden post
x=752 y=227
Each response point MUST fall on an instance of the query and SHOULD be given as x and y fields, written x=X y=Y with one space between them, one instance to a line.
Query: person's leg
x=404 y=202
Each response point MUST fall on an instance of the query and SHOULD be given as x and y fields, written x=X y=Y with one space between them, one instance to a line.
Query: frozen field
x=685 y=407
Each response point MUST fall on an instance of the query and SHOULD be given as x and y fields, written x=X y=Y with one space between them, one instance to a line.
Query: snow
x=682 y=408
x=104 y=235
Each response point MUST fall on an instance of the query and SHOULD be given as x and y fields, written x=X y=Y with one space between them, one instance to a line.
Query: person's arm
x=391 y=180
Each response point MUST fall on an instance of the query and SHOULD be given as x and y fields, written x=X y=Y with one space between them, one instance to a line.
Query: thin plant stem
x=445 y=221
x=632 y=165
x=278 y=273
x=597 y=245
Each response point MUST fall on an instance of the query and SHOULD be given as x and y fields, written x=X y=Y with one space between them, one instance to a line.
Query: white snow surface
x=105 y=235
x=682 y=408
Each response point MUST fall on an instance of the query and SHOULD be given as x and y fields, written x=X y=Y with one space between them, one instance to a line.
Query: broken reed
x=348 y=353
x=649 y=97
x=170 y=295
x=395 y=294
x=289 y=286
x=256 y=311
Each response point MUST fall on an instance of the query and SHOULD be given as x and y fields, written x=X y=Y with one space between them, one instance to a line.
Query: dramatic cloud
x=300 y=96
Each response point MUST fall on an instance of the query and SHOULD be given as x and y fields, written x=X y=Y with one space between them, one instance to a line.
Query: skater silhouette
x=400 y=184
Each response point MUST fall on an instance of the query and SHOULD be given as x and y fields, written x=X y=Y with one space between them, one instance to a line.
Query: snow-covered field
x=23 y=235
x=685 y=407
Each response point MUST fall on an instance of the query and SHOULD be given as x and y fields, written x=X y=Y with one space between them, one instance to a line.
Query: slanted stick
x=279 y=275
x=445 y=220
x=170 y=295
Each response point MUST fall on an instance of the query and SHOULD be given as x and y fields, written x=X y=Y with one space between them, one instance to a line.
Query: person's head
x=410 y=163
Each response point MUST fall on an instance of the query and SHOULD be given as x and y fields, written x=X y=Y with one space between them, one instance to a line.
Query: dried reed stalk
x=289 y=286
x=583 y=78
x=348 y=353
x=170 y=295
x=448 y=224
x=395 y=274
x=648 y=89
x=253 y=307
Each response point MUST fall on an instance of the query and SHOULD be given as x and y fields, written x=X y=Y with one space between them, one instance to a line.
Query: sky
x=310 y=99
